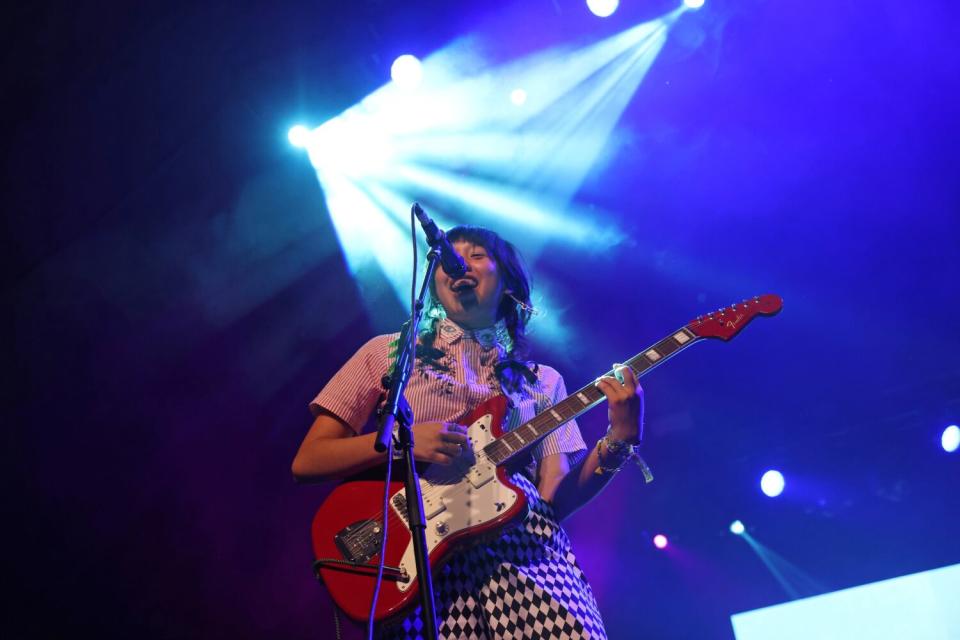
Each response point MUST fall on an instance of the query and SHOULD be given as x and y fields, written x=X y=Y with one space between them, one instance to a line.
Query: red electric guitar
x=471 y=497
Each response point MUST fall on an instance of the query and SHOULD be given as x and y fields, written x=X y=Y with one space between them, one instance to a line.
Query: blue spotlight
x=603 y=8
x=737 y=528
x=950 y=439
x=693 y=4
x=518 y=97
x=772 y=483
x=299 y=136
x=406 y=71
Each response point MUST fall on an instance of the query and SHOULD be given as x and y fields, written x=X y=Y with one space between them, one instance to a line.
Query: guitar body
x=462 y=501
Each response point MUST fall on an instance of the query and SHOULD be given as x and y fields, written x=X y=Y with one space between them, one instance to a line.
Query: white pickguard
x=458 y=496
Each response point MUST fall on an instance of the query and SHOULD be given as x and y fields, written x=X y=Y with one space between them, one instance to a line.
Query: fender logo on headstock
x=733 y=323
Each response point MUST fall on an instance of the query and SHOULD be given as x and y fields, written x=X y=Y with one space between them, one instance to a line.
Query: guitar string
x=435 y=490
x=481 y=454
x=633 y=363
x=432 y=491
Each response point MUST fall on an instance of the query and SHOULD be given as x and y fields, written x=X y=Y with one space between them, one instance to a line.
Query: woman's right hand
x=439 y=442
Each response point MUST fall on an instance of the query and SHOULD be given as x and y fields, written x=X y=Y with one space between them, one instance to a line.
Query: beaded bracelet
x=624 y=453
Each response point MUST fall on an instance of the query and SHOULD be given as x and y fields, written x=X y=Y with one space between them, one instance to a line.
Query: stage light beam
x=737 y=528
x=442 y=131
x=603 y=8
x=772 y=483
x=660 y=541
x=950 y=440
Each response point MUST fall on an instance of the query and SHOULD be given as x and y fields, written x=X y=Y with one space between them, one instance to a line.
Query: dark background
x=176 y=295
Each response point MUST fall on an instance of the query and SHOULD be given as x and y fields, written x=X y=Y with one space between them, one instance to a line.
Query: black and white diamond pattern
x=526 y=584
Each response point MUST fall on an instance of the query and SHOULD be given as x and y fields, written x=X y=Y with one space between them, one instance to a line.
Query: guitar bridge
x=432 y=505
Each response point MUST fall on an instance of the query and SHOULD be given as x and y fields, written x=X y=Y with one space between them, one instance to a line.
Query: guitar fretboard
x=531 y=432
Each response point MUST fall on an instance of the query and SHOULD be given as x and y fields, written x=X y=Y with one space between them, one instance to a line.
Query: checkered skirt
x=524 y=584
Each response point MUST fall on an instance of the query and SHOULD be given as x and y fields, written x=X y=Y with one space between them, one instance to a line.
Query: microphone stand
x=396 y=411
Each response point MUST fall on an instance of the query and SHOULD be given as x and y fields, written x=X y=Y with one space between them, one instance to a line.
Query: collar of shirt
x=488 y=338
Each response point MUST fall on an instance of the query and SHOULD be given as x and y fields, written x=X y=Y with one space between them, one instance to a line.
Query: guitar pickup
x=432 y=506
x=481 y=474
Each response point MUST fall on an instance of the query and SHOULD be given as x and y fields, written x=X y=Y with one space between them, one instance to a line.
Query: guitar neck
x=524 y=437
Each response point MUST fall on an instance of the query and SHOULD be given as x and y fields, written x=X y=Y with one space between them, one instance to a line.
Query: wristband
x=623 y=453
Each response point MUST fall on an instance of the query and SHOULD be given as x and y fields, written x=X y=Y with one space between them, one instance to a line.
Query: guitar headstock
x=727 y=322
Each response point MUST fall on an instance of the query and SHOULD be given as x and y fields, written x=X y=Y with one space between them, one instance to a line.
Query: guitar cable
x=336 y=620
x=383 y=542
x=386 y=481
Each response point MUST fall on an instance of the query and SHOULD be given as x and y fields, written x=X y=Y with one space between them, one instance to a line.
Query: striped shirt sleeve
x=354 y=391
x=567 y=438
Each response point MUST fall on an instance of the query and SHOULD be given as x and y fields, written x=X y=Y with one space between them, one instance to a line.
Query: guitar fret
x=496 y=451
x=666 y=347
x=539 y=426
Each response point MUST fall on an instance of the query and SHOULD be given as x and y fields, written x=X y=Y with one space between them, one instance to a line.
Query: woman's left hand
x=625 y=403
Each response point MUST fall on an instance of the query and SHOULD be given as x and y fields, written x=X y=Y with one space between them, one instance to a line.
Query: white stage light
x=603 y=8
x=660 y=541
x=737 y=528
x=406 y=71
x=693 y=4
x=772 y=483
x=950 y=439
x=518 y=97
x=299 y=136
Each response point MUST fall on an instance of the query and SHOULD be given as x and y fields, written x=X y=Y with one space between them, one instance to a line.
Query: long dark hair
x=515 y=311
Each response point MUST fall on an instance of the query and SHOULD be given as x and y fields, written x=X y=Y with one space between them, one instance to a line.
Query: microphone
x=450 y=260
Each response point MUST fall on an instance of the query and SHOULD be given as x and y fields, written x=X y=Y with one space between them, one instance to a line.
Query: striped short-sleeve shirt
x=446 y=389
